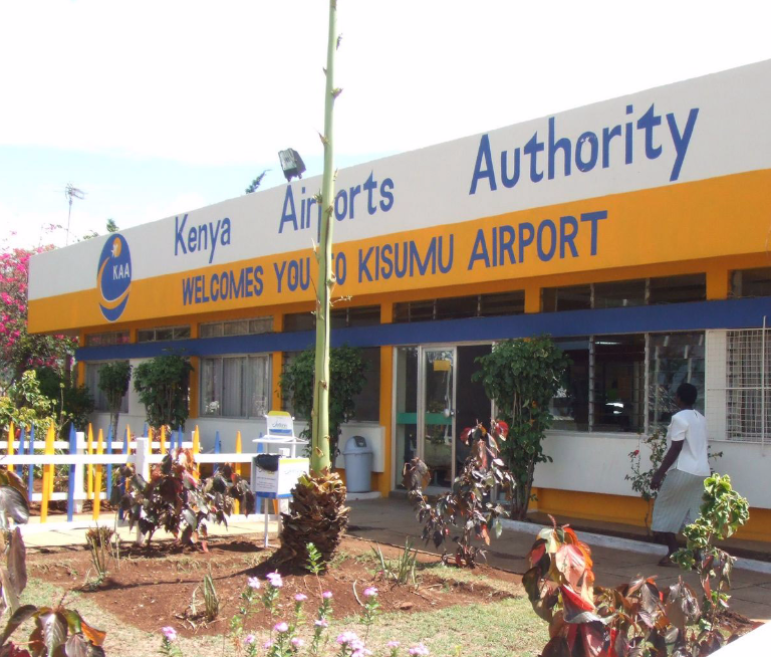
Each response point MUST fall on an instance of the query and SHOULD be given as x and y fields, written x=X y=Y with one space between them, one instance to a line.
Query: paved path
x=393 y=521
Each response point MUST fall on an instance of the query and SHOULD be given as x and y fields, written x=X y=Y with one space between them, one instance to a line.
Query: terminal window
x=100 y=398
x=107 y=339
x=751 y=283
x=163 y=333
x=477 y=305
x=253 y=326
x=367 y=402
x=235 y=386
x=627 y=383
x=625 y=294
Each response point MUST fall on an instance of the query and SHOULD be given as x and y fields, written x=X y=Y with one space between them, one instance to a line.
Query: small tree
x=347 y=380
x=162 y=384
x=114 y=383
x=522 y=377
x=255 y=184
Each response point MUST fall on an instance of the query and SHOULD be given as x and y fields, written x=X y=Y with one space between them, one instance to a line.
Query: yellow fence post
x=196 y=448
x=11 y=438
x=48 y=473
x=98 y=476
x=163 y=439
x=237 y=504
x=150 y=438
x=90 y=470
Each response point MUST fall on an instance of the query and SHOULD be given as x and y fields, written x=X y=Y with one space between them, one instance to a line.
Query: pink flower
x=327 y=595
x=249 y=639
x=347 y=638
x=275 y=580
x=419 y=650
x=268 y=644
x=253 y=583
x=321 y=623
x=392 y=645
x=370 y=592
x=300 y=597
x=169 y=633
x=281 y=627
x=297 y=642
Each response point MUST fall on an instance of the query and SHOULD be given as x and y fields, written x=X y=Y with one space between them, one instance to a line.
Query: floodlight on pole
x=291 y=164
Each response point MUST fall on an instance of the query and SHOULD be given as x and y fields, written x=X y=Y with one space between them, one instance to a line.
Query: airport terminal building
x=634 y=231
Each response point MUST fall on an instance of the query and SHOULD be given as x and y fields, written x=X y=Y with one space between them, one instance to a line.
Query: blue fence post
x=30 y=467
x=21 y=449
x=109 y=467
x=144 y=429
x=71 y=478
x=217 y=449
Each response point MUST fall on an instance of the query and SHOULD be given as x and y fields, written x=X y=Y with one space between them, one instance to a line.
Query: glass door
x=436 y=412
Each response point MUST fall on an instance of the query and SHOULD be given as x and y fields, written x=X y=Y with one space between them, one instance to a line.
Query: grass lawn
x=496 y=628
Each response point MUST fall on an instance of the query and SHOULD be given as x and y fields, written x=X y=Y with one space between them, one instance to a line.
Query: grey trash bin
x=358 y=465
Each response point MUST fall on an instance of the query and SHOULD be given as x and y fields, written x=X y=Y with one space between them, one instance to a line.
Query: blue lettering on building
x=508 y=244
x=558 y=155
x=243 y=283
x=357 y=202
x=203 y=237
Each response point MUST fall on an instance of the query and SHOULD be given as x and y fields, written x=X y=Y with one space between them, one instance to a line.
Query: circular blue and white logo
x=114 y=277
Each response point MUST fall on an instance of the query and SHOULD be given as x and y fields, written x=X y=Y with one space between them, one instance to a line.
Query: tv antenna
x=71 y=192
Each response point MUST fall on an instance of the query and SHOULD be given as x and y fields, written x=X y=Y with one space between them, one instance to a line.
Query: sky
x=156 y=108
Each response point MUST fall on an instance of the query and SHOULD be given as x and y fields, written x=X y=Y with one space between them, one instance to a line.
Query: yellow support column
x=277 y=366
x=382 y=481
x=11 y=438
x=98 y=476
x=237 y=504
x=48 y=474
x=532 y=298
x=718 y=283
x=90 y=475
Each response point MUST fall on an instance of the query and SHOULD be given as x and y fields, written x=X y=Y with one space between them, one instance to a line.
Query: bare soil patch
x=153 y=587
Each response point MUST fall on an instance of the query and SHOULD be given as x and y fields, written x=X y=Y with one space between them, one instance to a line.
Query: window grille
x=748 y=394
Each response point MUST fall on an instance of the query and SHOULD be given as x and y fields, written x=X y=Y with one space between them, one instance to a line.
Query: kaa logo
x=114 y=277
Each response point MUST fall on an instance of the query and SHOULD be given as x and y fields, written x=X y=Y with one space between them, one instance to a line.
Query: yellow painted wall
x=629 y=511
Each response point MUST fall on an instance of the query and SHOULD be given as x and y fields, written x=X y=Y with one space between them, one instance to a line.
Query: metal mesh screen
x=748 y=395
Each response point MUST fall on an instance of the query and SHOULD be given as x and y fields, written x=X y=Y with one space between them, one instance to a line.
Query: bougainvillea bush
x=20 y=351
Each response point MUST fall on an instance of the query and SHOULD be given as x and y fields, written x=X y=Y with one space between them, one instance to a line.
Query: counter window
x=627 y=383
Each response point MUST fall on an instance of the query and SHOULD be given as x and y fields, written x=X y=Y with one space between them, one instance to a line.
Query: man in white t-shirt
x=683 y=470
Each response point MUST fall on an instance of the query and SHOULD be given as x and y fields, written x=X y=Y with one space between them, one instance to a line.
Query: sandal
x=667 y=562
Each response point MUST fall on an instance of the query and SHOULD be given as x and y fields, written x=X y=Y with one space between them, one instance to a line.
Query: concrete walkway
x=392 y=521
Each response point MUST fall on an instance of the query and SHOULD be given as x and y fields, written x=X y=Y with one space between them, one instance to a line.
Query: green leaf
x=21 y=615
x=54 y=629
